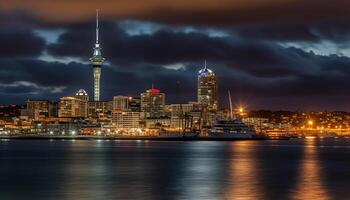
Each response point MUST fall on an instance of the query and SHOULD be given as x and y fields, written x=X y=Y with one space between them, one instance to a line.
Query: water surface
x=91 y=169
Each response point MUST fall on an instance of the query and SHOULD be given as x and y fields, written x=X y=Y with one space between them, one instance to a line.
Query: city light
x=310 y=122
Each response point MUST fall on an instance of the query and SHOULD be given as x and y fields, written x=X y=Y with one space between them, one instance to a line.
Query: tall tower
x=207 y=89
x=96 y=61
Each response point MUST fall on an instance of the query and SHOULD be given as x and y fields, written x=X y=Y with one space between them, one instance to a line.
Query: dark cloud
x=163 y=46
x=167 y=47
x=18 y=42
x=279 y=32
x=337 y=31
x=251 y=59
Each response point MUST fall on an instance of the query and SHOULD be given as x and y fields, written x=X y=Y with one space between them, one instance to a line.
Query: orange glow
x=310 y=122
x=310 y=180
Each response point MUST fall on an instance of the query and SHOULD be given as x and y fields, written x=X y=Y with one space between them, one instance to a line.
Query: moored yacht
x=231 y=128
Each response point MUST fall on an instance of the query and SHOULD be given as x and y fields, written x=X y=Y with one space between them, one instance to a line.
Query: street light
x=310 y=122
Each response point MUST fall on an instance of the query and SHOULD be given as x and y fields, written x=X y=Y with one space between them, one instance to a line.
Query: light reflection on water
x=310 y=184
x=244 y=170
x=243 y=176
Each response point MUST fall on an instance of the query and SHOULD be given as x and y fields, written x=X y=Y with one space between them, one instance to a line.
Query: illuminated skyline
x=296 y=61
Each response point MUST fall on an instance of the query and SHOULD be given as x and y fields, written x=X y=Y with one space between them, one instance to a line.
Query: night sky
x=271 y=54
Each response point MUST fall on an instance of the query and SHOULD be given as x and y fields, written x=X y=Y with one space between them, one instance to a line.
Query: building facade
x=121 y=102
x=37 y=109
x=99 y=109
x=135 y=104
x=207 y=90
x=152 y=104
x=125 y=119
x=72 y=107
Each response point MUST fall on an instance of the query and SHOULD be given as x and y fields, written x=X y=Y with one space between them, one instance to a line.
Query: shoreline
x=137 y=138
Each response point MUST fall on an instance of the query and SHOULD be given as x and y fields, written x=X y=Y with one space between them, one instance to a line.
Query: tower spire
x=97 y=48
x=205 y=64
x=97 y=26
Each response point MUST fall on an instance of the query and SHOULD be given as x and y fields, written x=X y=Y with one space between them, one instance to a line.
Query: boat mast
x=229 y=98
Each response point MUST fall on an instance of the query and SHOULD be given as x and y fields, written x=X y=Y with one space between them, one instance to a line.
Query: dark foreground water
x=296 y=169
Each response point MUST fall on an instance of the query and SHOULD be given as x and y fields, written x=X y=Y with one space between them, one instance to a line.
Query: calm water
x=297 y=169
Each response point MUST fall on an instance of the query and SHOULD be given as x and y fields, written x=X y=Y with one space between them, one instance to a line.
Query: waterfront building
x=122 y=119
x=156 y=123
x=207 y=89
x=152 y=104
x=60 y=126
x=121 y=102
x=96 y=61
x=40 y=109
x=72 y=107
x=180 y=113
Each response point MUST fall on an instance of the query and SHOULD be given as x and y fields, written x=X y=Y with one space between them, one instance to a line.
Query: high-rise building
x=121 y=102
x=152 y=104
x=207 y=91
x=41 y=108
x=72 y=107
x=135 y=104
x=96 y=61
x=82 y=94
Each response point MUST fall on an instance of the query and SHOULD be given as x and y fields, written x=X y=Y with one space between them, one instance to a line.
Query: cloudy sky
x=271 y=54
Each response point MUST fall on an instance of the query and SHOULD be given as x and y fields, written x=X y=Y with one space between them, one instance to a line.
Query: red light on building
x=153 y=91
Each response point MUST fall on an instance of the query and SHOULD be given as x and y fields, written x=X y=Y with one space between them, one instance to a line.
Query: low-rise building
x=125 y=119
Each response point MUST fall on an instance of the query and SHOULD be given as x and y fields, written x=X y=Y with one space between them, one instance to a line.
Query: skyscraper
x=71 y=107
x=152 y=103
x=42 y=108
x=121 y=103
x=82 y=94
x=97 y=61
x=207 y=89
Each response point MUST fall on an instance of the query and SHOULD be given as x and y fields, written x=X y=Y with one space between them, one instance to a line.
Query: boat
x=232 y=128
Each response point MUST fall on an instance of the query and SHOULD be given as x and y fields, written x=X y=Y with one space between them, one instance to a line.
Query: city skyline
x=264 y=62
x=158 y=99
